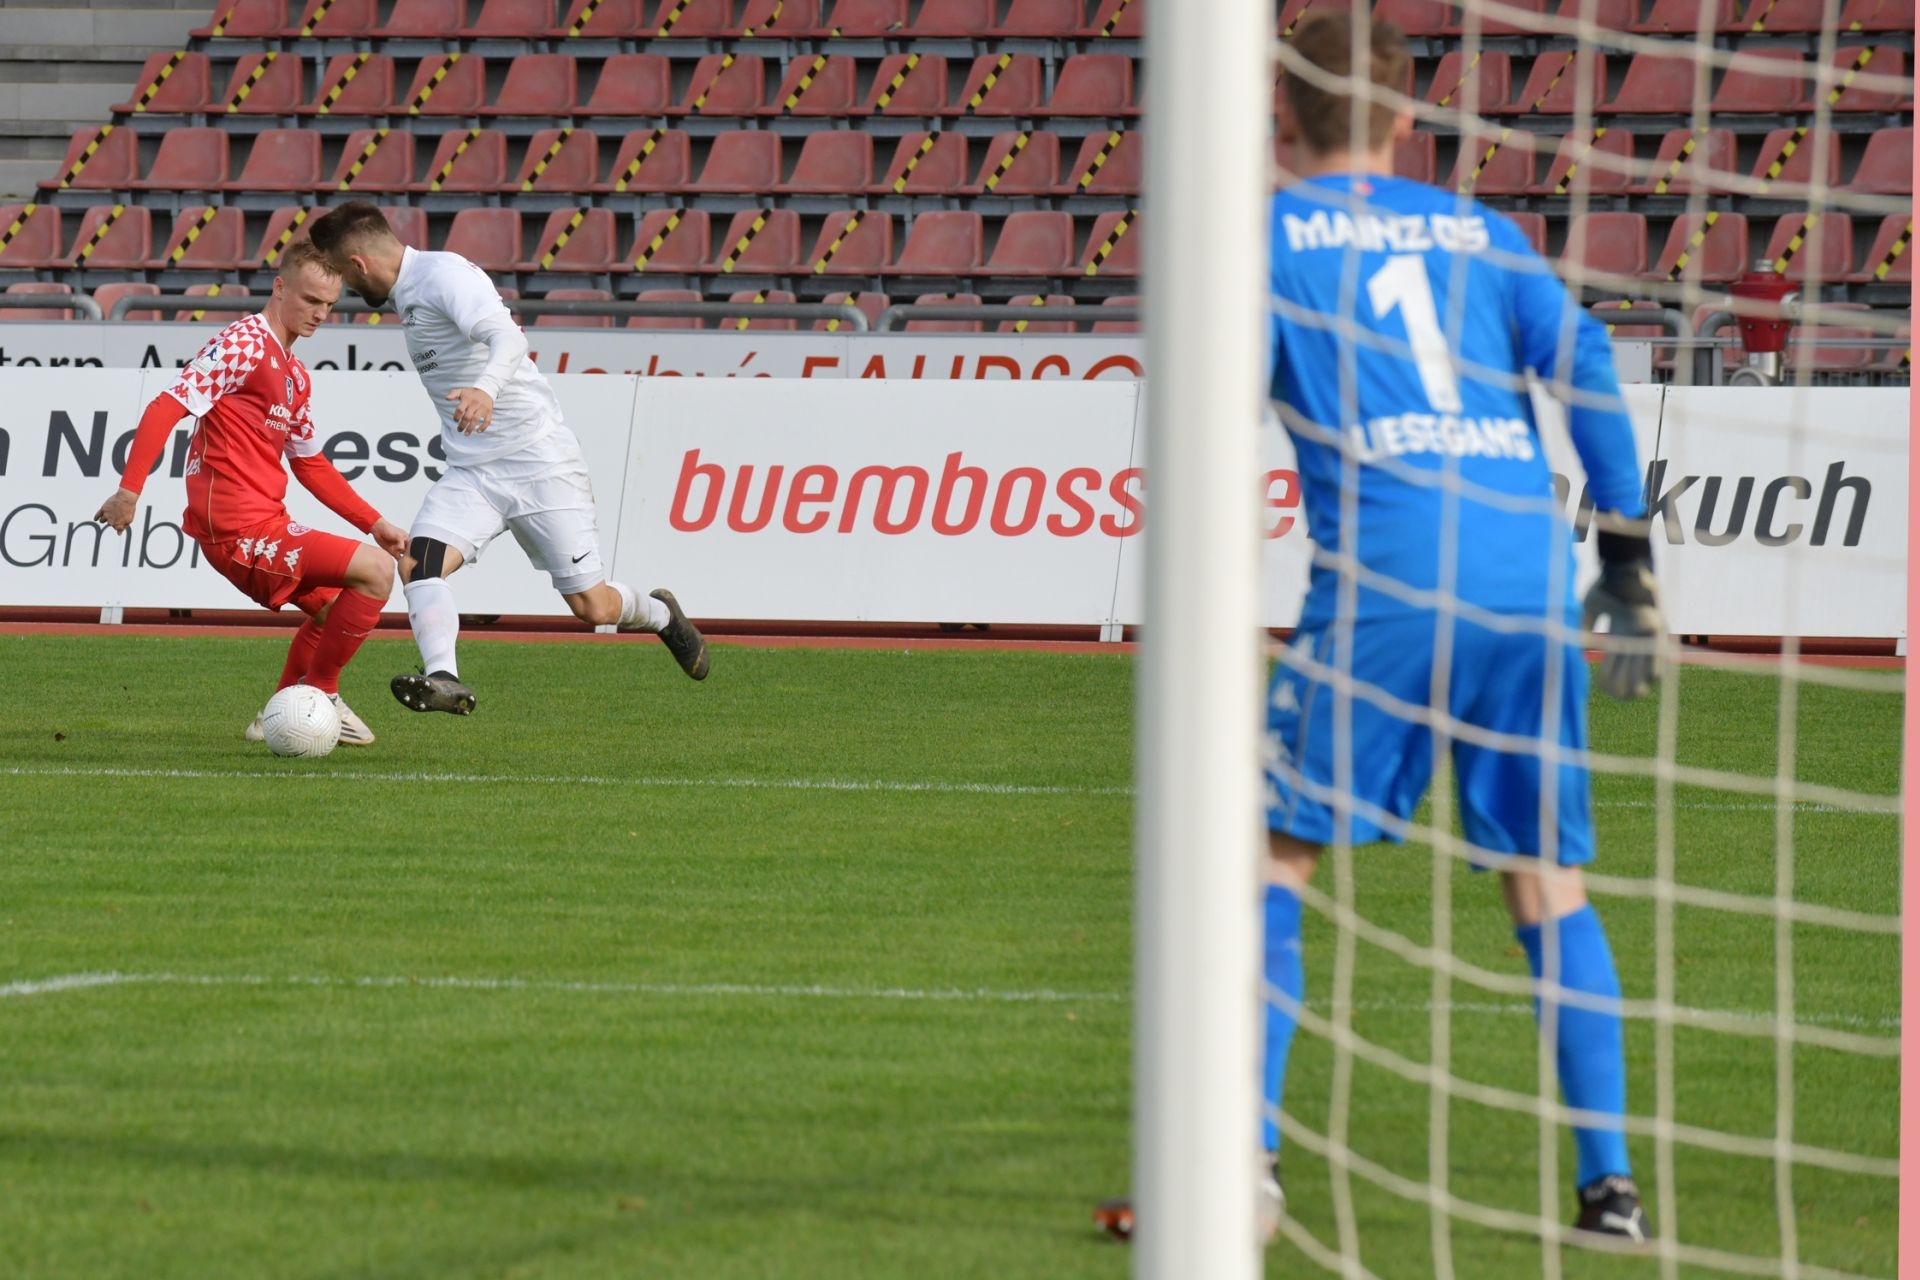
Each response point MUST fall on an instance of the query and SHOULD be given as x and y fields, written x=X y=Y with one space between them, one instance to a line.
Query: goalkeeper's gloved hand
x=1627 y=597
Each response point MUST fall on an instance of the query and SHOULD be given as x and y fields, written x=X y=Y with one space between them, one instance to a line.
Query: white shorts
x=542 y=493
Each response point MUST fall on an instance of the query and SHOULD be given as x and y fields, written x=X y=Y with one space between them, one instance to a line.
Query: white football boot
x=256 y=732
x=353 y=730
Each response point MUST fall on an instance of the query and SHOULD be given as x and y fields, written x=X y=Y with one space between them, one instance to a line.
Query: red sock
x=353 y=615
x=300 y=654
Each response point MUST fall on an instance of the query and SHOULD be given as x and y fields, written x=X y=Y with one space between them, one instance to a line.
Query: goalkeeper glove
x=1627 y=597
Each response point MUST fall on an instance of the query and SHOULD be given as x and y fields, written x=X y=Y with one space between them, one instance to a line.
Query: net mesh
x=1748 y=814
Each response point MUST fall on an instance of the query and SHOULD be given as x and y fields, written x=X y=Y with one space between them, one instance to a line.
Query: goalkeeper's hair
x=338 y=232
x=1324 y=118
x=303 y=253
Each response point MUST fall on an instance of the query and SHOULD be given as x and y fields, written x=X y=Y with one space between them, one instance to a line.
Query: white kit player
x=512 y=462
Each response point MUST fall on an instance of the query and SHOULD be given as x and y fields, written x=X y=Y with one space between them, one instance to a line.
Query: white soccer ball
x=300 y=721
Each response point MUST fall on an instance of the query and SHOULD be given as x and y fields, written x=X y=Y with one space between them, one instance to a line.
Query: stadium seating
x=948 y=243
x=1562 y=84
x=870 y=304
x=1041 y=19
x=1600 y=163
x=1118 y=20
x=723 y=88
x=353 y=84
x=601 y=20
x=1812 y=247
x=1492 y=24
x=783 y=20
x=1034 y=243
x=818 y=86
x=1697 y=250
x=908 y=84
x=1612 y=244
x=425 y=19
x=265 y=84
x=1020 y=164
x=1000 y=85
x=1040 y=303
x=1118 y=326
x=1886 y=167
x=867 y=19
x=509 y=20
x=454 y=85
x=1747 y=87
x=171 y=84
x=945 y=326
x=1682 y=17
x=759 y=242
x=848 y=249
x=35 y=313
x=743 y=162
x=632 y=84
x=694 y=19
x=112 y=237
x=1686 y=162
x=651 y=160
x=575 y=322
x=1658 y=84
x=1113 y=246
x=335 y=20
x=928 y=165
x=1483 y=85
x=559 y=160
x=1889 y=260
x=281 y=160
x=1094 y=84
x=32 y=236
x=470 y=160
x=537 y=84
x=374 y=160
x=1413 y=157
x=666 y=322
x=575 y=240
x=1882 y=62
x=835 y=162
x=1495 y=165
x=244 y=20
x=205 y=238
x=1788 y=156
x=953 y=18
x=188 y=160
x=1417 y=17
x=1833 y=346
x=1114 y=164
x=488 y=238
x=99 y=159
x=670 y=240
x=108 y=294
x=1534 y=227
x=754 y=297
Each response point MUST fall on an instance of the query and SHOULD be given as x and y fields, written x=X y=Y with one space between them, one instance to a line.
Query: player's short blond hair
x=1322 y=118
x=303 y=253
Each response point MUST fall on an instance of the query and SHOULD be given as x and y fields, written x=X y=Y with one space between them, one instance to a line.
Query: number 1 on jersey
x=1403 y=283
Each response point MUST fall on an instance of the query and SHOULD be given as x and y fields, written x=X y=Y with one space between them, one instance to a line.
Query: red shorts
x=277 y=560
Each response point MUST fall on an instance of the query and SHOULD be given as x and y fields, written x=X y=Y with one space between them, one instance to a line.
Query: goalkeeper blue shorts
x=1376 y=765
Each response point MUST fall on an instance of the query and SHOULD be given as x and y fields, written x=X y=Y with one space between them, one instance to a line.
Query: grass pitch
x=817 y=970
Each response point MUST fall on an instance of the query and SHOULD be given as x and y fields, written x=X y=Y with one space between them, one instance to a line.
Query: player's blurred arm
x=1569 y=349
x=149 y=441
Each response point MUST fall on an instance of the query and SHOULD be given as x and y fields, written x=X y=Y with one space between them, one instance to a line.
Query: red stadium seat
x=1781 y=17
x=1792 y=153
x=1534 y=227
x=205 y=239
x=575 y=322
x=1040 y=303
x=1825 y=251
x=867 y=19
x=1886 y=168
x=265 y=84
x=1877 y=15
x=782 y=20
x=1413 y=157
x=560 y=160
x=1483 y=86
x=864 y=250
x=488 y=238
x=1761 y=80
x=602 y=20
x=1660 y=84
x=1005 y=84
x=1020 y=164
x=652 y=160
x=1602 y=164
x=1114 y=246
x=450 y=85
x=244 y=20
x=337 y=20
x=1113 y=164
x=1035 y=243
x=1883 y=62
x=870 y=304
x=946 y=326
x=1416 y=17
x=286 y=226
x=537 y=84
x=114 y=164
x=667 y=322
x=744 y=162
x=816 y=86
x=962 y=19
x=755 y=298
x=1889 y=261
x=281 y=160
x=509 y=20
x=694 y=19
x=831 y=163
x=30 y=287
x=1119 y=20
x=671 y=240
x=1118 y=326
x=188 y=160
x=1094 y=84
x=1719 y=256
x=1609 y=244
x=425 y=20
x=1676 y=170
x=171 y=84
x=32 y=236
x=1608 y=15
x=1490 y=165
x=1682 y=17
x=108 y=294
x=1043 y=19
x=724 y=89
x=947 y=243
x=467 y=160
x=577 y=240
x=354 y=84
x=760 y=241
x=409 y=224
x=388 y=166
x=632 y=84
x=908 y=84
x=927 y=164
x=1561 y=84
x=1833 y=346
x=1524 y=23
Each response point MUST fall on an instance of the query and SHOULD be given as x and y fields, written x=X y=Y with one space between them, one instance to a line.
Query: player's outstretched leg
x=436 y=629
x=433 y=691
x=682 y=638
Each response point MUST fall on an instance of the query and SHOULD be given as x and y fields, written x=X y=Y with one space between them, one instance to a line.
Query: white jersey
x=447 y=308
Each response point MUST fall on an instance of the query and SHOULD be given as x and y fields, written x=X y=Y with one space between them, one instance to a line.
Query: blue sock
x=1592 y=1059
x=1284 y=972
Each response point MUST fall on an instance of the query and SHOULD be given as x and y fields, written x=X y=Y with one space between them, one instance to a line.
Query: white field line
x=29 y=987
x=933 y=787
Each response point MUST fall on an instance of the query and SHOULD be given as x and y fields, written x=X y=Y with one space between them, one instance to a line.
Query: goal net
x=1727 y=184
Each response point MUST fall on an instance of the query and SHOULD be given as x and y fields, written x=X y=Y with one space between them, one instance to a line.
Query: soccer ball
x=300 y=721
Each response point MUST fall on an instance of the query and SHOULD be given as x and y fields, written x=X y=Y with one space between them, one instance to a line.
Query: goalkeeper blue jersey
x=1405 y=320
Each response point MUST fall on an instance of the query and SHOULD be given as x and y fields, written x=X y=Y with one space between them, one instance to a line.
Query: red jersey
x=252 y=399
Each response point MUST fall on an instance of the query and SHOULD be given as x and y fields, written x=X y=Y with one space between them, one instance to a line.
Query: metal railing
x=846 y=313
x=897 y=315
x=51 y=302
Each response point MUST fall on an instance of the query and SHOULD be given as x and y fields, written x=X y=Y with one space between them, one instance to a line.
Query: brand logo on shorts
x=582 y=556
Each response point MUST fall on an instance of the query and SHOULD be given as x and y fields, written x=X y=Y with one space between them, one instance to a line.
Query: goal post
x=1197 y=833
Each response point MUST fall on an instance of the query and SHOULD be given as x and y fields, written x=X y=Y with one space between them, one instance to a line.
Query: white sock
x=638 y=612
x=436 y=623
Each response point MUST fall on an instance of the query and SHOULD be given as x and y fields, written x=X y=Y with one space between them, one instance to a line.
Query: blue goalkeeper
x=1442 y=566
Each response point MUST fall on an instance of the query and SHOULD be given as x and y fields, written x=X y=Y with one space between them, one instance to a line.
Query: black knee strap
x=429 y=559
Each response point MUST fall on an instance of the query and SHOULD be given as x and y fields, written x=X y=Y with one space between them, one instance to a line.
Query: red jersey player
x=251 y=398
